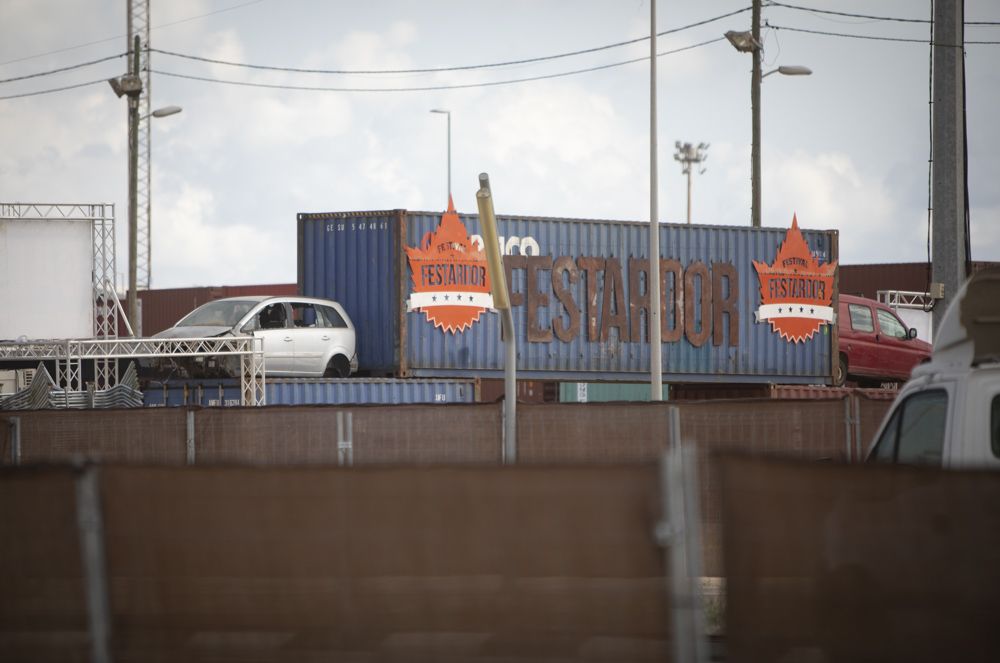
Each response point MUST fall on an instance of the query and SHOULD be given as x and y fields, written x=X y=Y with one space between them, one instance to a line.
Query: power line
x=427 y=70
x=869 y=37
x=428 y=88
x=895 y=19
x=115 y=38
x=56 y=89
x=61 y=69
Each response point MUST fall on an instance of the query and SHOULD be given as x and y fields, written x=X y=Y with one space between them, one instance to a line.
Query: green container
x=604 y=392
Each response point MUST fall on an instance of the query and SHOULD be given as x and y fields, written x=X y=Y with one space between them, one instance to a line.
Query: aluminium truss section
x=138 y=24
x=102 y=219
x=70 y=354
x=906 y=299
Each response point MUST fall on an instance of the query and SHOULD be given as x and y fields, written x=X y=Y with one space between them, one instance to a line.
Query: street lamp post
x=749 y=42
x=130 y=85
x=448 y=113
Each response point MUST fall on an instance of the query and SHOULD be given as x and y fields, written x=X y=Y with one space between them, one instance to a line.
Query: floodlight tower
x=689 y=155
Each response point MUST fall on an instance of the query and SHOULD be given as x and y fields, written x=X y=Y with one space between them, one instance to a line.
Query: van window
x=995 y=426
x=861 y=318
x=915 y=434
x=921 y=429
x=885 y=448
x=890 y=324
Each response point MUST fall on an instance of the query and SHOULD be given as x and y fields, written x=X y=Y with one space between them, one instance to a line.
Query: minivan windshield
x=217 y=314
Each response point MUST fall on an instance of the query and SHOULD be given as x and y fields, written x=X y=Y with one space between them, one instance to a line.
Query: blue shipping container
x=314 y=391
x=415 y=285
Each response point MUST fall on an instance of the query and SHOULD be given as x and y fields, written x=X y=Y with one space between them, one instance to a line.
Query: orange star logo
x=796 y=291
x=451 y=285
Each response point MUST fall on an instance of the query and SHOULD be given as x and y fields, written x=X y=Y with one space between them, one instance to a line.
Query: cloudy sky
x=845 y=148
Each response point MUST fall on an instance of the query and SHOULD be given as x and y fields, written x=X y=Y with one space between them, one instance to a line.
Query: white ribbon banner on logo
x=420 y=300
x=811 y=311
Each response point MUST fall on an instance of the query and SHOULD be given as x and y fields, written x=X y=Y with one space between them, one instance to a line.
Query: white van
x=948 y=414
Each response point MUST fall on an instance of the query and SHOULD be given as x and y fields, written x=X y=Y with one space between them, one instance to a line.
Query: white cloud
x=828 y=191
x=566 y=152
x=985 y=233
x=192 y=243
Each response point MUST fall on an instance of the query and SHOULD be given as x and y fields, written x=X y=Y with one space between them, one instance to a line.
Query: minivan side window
x=861 y=318
x=915 y=434
x=890 y=324
x=995 y=426
x=303 y=315
x=333 y=318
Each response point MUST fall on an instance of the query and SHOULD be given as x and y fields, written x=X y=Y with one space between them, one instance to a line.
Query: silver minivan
x=302 y=336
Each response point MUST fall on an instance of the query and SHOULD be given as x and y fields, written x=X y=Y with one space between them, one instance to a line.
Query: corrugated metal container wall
x=606 y=392
x=352 y=391
x=163 y=308
x=358 y=259
x=528 y=391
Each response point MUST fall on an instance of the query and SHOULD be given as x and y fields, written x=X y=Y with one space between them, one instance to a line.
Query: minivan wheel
x=840 y=372
x=339 y=367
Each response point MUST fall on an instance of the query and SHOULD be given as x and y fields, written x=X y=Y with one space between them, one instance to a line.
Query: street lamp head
x=794 y=70
x=790 y=70
x=166 y=111
x=743 y=41
x=443 y=112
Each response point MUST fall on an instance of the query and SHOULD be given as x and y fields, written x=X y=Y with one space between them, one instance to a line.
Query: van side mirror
x=911 y=333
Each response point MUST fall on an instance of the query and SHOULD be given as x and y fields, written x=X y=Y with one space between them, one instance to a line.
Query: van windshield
x=217 y=314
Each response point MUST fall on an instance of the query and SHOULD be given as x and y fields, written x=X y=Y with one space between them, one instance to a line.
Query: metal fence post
x=90 y=526
x=681 y=534
x=14 y=428
x=858 y=442
x=345 y=439
x=849 y=427
x=191 y=451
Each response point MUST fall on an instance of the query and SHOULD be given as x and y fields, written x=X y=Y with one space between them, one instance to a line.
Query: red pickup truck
x=874 y=342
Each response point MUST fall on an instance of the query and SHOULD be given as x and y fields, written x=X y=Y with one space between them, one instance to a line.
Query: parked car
x=874 y=343
x=303 y=336
x=948 y=414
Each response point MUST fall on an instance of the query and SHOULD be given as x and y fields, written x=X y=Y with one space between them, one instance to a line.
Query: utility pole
x=949 y=240
x=755 y=112
x=688 y=155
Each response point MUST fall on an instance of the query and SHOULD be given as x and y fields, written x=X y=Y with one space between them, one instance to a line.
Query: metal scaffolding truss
x=69 y=356
x=102 y=219
x=904 y=299
x=138 y=24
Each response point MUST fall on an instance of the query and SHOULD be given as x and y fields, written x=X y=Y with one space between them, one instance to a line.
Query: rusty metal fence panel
x=463 y=433
x=591 y=432
x=434 y=434
x=871 y=411
x=113 y=436
x=457 y=434
x=43 y=614
x=308 y=435
x=266 y=436
x=860 y=563
x=385 y=564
